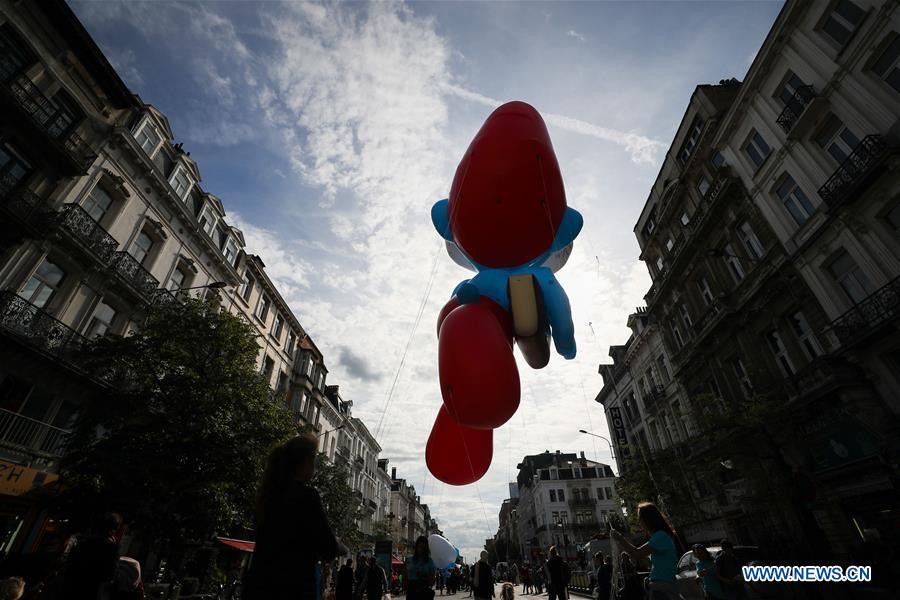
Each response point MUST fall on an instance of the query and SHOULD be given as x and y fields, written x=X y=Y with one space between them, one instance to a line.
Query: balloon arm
x=440 y=217
x=559 y=313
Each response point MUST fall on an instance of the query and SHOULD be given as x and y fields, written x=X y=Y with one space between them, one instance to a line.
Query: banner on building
x=16 y=480
x=618 y=428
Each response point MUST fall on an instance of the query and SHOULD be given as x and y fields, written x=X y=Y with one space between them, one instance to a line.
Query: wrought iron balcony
x=164 y=297
x=795 y=107
x=855 y=172
x=129 y=269
x=21 y=204
x=879 y=308
x=36 y=327
x=51 y=120
x=31 y=436
x=76 y=221
x=656 y=393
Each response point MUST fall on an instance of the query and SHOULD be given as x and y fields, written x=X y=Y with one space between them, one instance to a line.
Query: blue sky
x=329 y=130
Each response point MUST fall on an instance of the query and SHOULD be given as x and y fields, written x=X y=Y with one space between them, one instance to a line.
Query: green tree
x=178 y=441
x=341 y=505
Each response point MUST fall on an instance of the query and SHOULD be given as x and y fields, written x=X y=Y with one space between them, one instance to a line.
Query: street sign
x=16 y=480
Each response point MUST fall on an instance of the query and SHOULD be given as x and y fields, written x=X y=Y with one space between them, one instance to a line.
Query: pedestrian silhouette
x=92 y=563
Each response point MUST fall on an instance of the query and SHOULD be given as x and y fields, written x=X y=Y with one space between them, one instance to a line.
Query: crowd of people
x=294 y=540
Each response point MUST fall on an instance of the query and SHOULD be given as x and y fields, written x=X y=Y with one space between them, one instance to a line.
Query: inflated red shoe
x=478 y=374
x=455 y=454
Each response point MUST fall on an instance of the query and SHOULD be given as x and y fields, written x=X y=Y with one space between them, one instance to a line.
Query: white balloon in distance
x=442 y=551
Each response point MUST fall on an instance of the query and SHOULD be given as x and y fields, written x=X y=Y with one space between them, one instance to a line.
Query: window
x=663 y=368
x=43 y=284
x=553 y=499
x=734 y=263
x=741 y=373
x=717 y=160
x=836 y=139
x=15 y=55
x=268 y=367
x=148 y=137
x=843 y=20
x=208 y=220
x=693 y=137
x=247 y=286
x=315 y=415
x=750 y=241
x=576 y=494
x=600 y=493
x=670 y=243
x=321 y=382
x=101 y=321
x=780 y=352
x=262 y=308
x=291 y=340
x=850 y=278
x=13 y=168
x=180 y=182
x=282 y=382
x=676 y=334
x=794 y=200
x=563 y=515
x=705 y=292
x=686 y=317
x=64 y=114
x=892 y=216
x=303 y=399
x=791 y=84
x=805 y=336
x=141 y=246
x=757 y=149
x=177 y=279
x=660 y=264
x=609 y=493
x=97 y=203
x=230 y=251
x=685 y=219
x=277 y=324
x=888 y=64
x=561 y=494
x=703 y=186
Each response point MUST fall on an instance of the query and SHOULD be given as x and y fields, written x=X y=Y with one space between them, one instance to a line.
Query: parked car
x=689 y=587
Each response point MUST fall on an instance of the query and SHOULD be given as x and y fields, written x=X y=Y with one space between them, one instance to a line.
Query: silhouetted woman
x=292 y=531
x=662 y=548
x=420 y=571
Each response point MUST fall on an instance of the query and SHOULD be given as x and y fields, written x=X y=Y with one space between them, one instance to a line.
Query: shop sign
x=16 y=480
x=619 y=432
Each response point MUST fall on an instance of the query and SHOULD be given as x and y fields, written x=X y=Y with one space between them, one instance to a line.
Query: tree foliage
x=179 y=440
x=341 y=505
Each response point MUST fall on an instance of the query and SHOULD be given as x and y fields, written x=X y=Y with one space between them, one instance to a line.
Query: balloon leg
x=455 y=454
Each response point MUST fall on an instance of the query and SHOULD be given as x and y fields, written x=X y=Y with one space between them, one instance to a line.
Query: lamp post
x=612 y=454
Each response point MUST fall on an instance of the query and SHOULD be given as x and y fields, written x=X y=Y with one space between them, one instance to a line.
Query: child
x=507 y=592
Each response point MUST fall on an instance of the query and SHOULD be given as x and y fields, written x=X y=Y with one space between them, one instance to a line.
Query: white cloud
x=643 y=150
x=579 y=36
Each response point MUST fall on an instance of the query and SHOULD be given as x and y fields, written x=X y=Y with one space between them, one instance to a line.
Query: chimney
x=582 y=455
x=393 y=472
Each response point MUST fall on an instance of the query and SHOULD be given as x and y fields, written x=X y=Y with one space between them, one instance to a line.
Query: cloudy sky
x=329 y=130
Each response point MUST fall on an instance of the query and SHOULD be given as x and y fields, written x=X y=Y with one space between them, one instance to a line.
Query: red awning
x=396 y=561
x=239 y=544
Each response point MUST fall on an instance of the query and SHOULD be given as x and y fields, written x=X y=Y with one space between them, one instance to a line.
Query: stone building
x=564 y=499
x=771 y=235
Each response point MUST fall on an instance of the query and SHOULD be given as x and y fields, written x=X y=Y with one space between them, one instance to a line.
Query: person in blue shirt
x=420 y=570
x=706 y=573
x=662 y=548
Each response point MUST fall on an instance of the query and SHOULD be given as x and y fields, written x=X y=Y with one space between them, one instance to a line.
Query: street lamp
x=612 y=455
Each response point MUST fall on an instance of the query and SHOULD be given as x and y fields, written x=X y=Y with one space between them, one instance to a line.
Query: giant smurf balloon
x=507 y=219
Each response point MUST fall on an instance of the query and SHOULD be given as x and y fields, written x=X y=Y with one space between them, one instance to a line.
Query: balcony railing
x=795 y=107
x=654 y=395
x=24 y=205
x=861 y=320
x=55 y=123
x=129 y=269
x=38 y=328
x=852 y=175
x=78 y=223
x=30 y=435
